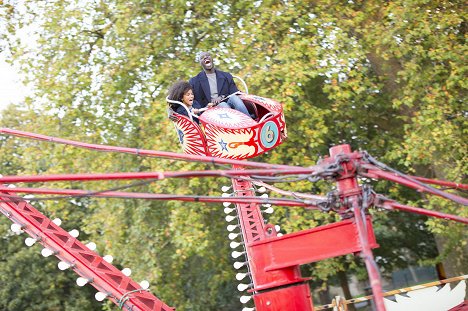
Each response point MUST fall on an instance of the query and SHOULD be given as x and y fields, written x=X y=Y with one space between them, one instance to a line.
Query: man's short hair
x=199 y=54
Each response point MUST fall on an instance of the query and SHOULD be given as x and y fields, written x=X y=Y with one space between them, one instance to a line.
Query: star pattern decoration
x=223 y=145
x=224 y=116
x=181 y=136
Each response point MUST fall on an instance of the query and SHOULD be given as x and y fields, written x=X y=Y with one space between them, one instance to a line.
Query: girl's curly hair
x=178 y=89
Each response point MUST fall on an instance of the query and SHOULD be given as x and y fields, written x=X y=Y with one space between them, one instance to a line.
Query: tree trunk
x=324 y=295
x=456 y=263
x=345 y=287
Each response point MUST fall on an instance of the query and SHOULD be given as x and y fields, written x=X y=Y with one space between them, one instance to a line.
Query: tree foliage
x=387 y=77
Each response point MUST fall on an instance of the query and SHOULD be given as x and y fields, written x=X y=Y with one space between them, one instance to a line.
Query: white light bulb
x=279 y=234
x=225 y=195
x=228 y=210
x=47 y=252
x=236 y=254
x=242 y=287
x=231 y=227
x=30 y=241
x=225 y=188
x=74 y=233
x=108 y=258
x=57 y=221
x=100 y=296
x=240 y=276
x=230 y=218
x=127 y=271
x=265 y=195
x=226 y=204
x=63 y=265
x=248 y=309
x=268 y=210
x=16 y=228
x=245 y=299
x=238 y=265
x=81 y=281
x=234 y=244
x=91 y=245
x=277 y=228
x=144 y=284
x=261 y=189
x=266 y=205
x=232 y=236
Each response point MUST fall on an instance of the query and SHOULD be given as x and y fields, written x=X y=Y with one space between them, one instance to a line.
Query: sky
x=11 y=90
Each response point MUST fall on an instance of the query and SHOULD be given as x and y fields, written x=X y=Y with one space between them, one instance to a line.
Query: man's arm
x=232 y=85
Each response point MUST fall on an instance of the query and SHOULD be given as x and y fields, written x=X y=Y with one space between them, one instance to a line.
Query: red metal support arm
x=442 y=183
x=373 y=172
x=143 y=152
x=312 y=245
x=151 y=175
x=310 y=204
x=392 y=205
x=106 y=278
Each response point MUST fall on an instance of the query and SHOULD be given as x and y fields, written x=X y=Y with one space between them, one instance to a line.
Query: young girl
x=182 y=91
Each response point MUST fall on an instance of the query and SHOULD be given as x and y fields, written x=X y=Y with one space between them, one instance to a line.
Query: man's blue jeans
x=236 y=103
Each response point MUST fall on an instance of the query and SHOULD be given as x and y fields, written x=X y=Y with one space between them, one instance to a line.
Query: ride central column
x=273 y=290
x=351 y=196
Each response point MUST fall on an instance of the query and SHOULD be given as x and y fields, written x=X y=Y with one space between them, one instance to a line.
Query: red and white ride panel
x=227 y=133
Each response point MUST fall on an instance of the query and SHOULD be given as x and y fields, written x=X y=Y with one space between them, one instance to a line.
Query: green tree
x=385 y=77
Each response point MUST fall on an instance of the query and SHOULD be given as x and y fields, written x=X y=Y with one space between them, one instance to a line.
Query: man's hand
x=217 y=100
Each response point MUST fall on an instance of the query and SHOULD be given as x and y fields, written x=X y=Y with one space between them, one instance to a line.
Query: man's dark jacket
x=201 y=86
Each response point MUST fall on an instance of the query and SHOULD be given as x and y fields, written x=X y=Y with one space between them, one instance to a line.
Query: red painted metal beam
x=279 y=290
x=351 y=196
x=442 y=183
x=143 y=152
x=332 y=240
x=85 y=262
x=292 y=298
x=392 y=205
x=373 y=172
x=310 y=204
x=150 y=175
